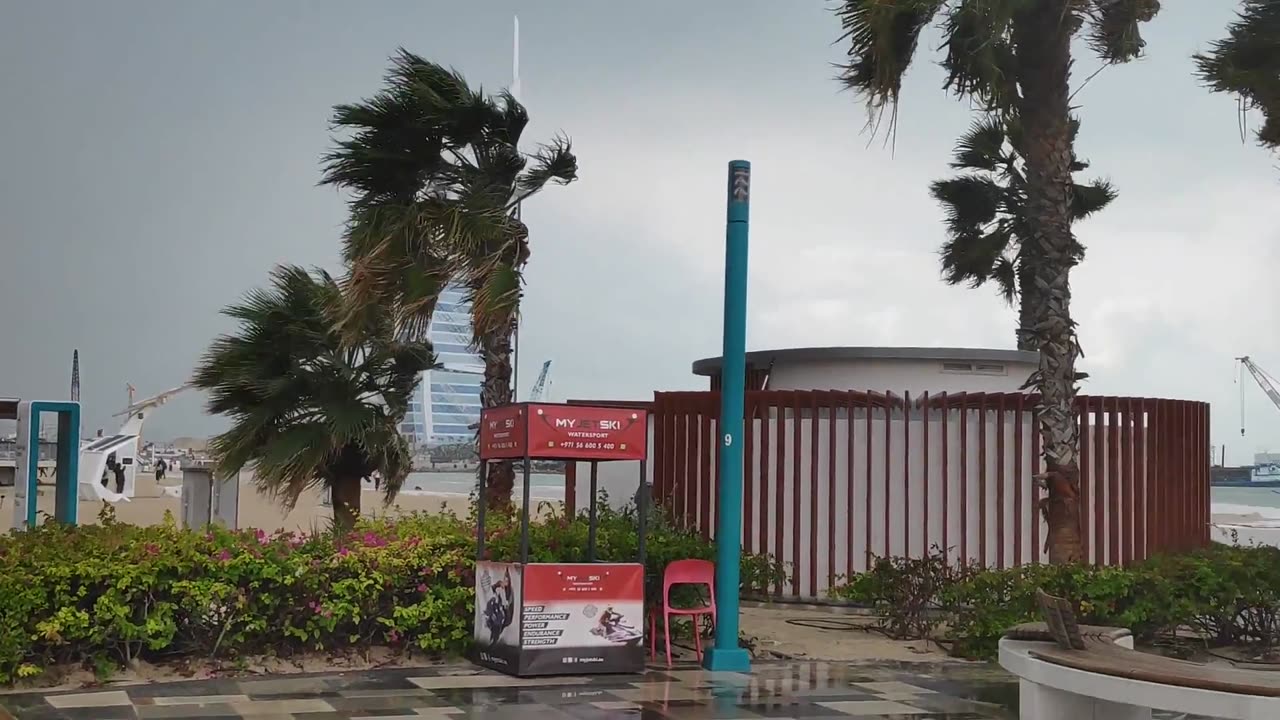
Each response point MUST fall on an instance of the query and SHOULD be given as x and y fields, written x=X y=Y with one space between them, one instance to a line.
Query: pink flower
x=422 y=587
x=224 y=555
x=343 y=552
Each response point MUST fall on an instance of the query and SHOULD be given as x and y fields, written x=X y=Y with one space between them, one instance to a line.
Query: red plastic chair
x=683 y=572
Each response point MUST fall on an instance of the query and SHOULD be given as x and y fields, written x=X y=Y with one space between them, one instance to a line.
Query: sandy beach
x=255 y=510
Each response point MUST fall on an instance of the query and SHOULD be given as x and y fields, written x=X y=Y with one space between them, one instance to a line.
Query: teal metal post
x=726 y=655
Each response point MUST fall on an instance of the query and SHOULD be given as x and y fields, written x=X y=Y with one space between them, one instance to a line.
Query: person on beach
x=120 y=478
x=111 y=467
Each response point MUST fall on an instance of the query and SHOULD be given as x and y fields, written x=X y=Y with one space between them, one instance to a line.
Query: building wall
x=448 y=398
x=899 y=374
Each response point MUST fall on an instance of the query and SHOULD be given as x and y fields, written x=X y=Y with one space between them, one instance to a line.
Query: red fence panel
x=833 y=478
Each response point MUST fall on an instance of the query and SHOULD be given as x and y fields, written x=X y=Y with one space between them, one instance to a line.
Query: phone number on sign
x=584 y=445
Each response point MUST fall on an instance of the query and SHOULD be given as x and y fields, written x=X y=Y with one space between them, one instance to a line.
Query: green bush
x=103 y=595
x=1227 y=595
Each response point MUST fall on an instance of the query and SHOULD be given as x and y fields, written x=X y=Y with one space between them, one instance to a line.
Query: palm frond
x=1114 y=32
x=972 y=257
x=1005 y=276
x=1246 y=64
x=1089 y=198
x=980 y=60
x=494 y=291
x=882 y=36
x=970 y=201
x=982 y=146
x=553 y=161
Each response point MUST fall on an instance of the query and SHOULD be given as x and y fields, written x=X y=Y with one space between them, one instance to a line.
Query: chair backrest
x=689 y=572
x=1060 y=616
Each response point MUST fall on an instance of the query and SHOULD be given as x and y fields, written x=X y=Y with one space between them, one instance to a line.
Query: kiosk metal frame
x=533 y=597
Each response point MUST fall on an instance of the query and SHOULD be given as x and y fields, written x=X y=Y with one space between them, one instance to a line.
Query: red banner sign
x=580 y=432
x=564 y=432
x=503 y=431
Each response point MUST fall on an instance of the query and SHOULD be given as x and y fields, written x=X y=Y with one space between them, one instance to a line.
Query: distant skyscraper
x=448 y=399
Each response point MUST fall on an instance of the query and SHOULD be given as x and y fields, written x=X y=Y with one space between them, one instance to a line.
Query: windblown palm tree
x=1013 y=58
x=438 y=178
x=987 y=218
x=1247 y=64
x=309 y=407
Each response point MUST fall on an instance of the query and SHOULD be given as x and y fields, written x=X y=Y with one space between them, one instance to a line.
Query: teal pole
x=726 y=655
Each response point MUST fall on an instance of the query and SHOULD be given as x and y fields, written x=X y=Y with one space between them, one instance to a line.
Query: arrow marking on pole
x=741 y=184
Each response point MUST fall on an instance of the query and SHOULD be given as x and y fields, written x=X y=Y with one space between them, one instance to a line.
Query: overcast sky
x=157 y=158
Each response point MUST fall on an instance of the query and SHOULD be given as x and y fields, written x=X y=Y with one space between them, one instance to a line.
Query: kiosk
x=561 y=618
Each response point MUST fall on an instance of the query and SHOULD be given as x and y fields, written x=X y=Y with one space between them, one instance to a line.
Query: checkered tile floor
x=802 y=691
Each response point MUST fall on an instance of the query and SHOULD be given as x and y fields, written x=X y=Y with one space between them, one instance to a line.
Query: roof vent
x=984 y=368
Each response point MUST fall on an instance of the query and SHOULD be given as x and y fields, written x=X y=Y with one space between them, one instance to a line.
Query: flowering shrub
x=1224 y=595
x=106 y=594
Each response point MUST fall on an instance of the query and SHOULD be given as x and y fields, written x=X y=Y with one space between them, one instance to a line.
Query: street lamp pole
x=726 y=655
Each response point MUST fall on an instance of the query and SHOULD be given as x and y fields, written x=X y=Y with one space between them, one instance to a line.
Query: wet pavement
x=803 y=691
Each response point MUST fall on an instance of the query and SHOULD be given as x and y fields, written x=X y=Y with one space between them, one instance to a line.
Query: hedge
x=103 y=595
x=1225 y=595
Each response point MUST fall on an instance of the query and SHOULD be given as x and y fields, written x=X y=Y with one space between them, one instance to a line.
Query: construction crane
x=540 y=386
x=1264 y=380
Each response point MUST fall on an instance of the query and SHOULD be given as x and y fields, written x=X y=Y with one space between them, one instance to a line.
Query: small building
x=894 y=369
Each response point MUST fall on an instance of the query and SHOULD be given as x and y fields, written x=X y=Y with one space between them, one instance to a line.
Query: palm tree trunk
x=1042 y=37
x=495 y=349
x=344 y=495
x=1029 y=306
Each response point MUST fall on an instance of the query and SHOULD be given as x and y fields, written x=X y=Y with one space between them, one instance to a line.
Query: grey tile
x=165 y=712
x=872 y=708
x=104 y=698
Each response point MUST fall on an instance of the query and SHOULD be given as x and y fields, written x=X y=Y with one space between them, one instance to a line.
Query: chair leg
x=653 y=635
x=666 y=633
x=697 y=634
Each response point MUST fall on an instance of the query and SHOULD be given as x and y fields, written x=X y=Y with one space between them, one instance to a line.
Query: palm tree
x=1013 y=58
x=1247 y=64
x=987 y=217
x=309 y=407
x=439 y=178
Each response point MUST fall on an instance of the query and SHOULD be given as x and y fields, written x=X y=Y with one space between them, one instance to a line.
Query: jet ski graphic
x=615 y=628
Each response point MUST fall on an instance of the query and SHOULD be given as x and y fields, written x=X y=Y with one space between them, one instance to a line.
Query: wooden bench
x=1071 y=672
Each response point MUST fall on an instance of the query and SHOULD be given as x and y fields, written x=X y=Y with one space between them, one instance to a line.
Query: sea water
x=1245 y=500
x=461 y=483
x=1245 y=515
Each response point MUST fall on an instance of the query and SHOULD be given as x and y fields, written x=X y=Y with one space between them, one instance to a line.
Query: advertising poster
x=497 y=621
x=585 y=618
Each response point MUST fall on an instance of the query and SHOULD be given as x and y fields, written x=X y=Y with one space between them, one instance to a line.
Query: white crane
x=1264 y=380
x=540 y=386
